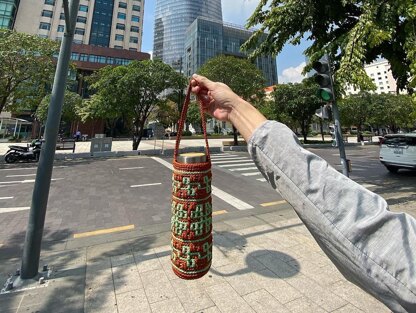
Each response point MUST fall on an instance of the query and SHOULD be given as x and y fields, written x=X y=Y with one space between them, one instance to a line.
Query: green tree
x=394 y=111
x=296 y=103
x=166 y=113
x=351 y=32
x=26 y=69
x=240 y=75
x=134 y=91
x=72 y=100
x=357 y=110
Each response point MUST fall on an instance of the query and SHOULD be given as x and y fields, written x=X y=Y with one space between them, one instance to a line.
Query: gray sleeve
x=371 y=246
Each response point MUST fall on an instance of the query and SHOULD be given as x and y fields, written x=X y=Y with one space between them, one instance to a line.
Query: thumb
x=203 y=81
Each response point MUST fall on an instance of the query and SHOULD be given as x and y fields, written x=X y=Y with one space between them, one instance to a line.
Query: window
x=134 y=39
x=46 y=26
x=47 y=13
x=120 y=26
x=122 y=5
x=74 y=56
x=119 y=37
x=83 y=8
x=118 y=47
x=121 y=16
x=110 y=60
x=81 y=19
x=50 y=2
x=135 y=18
x=77 y=41
x=93 y=58
x=132 y=49
x=136 y=7
x=134 y=29
x=79 y=31
x=101 y=59
x=61 y=28
x=62 y=16
x=83 y=57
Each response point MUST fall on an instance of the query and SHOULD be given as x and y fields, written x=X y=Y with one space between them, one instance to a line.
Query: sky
x=290 y=61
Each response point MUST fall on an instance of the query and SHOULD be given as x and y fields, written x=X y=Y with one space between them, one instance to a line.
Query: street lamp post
x=33 y=239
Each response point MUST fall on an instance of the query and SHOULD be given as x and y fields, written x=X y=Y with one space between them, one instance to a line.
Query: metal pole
x=33 y=240
x=338 y=131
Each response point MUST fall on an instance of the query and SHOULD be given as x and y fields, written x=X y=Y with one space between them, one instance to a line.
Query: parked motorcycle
x=20 y=153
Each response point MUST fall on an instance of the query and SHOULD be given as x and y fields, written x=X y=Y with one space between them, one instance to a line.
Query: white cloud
x=292 y=74
x=238 y=11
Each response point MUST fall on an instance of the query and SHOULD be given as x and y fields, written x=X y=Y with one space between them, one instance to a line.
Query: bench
x=66 y=145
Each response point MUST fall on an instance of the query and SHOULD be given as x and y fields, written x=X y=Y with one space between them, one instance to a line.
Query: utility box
x=101 y=144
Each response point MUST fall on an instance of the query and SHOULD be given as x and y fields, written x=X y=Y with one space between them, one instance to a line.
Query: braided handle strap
x=181 y=123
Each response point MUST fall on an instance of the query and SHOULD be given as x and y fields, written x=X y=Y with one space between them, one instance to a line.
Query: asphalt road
x=89 y=198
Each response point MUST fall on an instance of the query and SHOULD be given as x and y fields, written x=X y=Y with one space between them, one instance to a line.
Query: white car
x=398 y=151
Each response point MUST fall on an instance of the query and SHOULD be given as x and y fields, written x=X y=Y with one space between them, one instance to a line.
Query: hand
x=217 y=98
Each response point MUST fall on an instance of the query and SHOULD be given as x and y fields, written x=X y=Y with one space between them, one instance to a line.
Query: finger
x=203 y=81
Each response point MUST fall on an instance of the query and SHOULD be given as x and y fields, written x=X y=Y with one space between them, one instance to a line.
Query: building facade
x=105 y=23
x=206 y=38
x=8 y=10
x=172 y=18
x=382 y=77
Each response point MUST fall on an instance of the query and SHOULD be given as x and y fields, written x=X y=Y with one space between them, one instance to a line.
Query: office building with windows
x=105 y=23
x=172 y=18
x=382 y=77
x=8 y=10
x=206 y=38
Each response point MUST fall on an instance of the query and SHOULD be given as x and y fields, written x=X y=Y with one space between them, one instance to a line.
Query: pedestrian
x=371 y=246
x=78 y=135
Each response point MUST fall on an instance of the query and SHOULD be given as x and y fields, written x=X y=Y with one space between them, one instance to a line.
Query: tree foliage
x=243 y=77
x=351 y=32
x=388 y=110
x=72 y=101
x=296 y=104
x=26 y=69
x=132 y=91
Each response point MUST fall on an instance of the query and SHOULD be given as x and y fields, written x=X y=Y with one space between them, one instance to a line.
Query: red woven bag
x=191 y=222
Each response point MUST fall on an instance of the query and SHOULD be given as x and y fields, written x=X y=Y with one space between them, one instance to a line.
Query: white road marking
x=27 y=168
x=243 y=169
x=8 y=210
x=25 y=181
x=235 y=202
x=234 y=165
x=262 y=179
x=25 y=175
x=251 y=174
x=365 y=185
x=145 y=185
x=130 y=168
x=227 y=158
x=6 y=198
x=232 y=161
x=215 y=156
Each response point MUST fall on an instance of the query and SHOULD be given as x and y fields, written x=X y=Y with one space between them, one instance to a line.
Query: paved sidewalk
x=262 y=263
x=149 y=145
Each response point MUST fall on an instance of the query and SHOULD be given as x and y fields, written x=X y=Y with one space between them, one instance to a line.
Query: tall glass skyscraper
x=172 y=18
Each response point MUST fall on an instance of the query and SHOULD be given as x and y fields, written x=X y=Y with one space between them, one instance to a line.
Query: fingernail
x=195 y=75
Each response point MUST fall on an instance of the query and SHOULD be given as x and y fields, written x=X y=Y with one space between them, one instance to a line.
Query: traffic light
x=323 y=78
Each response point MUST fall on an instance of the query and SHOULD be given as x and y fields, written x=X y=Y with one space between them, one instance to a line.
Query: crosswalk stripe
x=229 y=161
x=262 y=179
x=8 y=210
x=220 y=156
x=6 y=198
x=219 y=212
x=235 y=165
x=251 y=174
x=243 y=169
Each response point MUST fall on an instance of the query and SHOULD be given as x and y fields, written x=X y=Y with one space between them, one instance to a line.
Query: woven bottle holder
x=191 y=222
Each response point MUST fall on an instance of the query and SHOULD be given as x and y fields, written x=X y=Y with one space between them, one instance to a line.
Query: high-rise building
x=381 y=75
x=8 y=9
x=172 y=18
x=206 y=38
x=105 y=23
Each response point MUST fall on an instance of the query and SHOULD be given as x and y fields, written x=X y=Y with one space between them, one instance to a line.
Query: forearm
x=245 y=118
x=370 y=245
